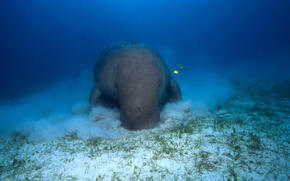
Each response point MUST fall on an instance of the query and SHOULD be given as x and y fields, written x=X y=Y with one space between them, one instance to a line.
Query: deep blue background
x=43 y=41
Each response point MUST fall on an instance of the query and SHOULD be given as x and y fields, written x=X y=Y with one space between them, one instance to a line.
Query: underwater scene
x=144 y=90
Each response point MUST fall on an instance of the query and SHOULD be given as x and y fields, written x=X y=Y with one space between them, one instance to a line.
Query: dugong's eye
x=135 y=109
x=138 y=109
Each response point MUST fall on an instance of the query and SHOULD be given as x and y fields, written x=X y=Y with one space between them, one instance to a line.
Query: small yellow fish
x=181 y=67
x=175 y=72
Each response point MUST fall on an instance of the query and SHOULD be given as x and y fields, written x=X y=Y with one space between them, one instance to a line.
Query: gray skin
x=134 y=78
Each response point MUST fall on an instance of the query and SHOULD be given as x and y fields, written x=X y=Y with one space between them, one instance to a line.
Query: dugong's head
x=140 y=84
x=139 y=106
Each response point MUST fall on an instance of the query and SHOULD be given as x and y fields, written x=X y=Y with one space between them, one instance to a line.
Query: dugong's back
x=129 y=62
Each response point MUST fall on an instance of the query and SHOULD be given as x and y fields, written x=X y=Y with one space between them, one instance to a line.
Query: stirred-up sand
x=244 y=138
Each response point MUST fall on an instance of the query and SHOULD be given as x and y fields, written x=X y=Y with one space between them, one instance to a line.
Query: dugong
x=135 y=78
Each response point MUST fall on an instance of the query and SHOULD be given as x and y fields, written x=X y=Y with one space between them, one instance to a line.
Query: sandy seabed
x=244 y=138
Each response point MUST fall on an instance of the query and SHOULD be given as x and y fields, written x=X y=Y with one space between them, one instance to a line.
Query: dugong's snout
x=136 y=118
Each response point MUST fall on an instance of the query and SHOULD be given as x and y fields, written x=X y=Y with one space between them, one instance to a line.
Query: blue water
x=43 y=42
x=235 y=84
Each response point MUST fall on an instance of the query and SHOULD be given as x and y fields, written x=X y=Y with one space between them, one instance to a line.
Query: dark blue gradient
x=42 y=42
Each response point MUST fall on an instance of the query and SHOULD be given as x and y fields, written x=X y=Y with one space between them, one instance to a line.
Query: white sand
x=246 y=137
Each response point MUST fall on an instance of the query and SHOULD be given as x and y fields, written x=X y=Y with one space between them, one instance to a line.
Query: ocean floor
x=244 y=138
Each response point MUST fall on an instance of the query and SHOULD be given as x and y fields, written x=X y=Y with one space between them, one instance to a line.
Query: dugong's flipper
x=95 y=95
x=97 y=98
x=173 y=91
